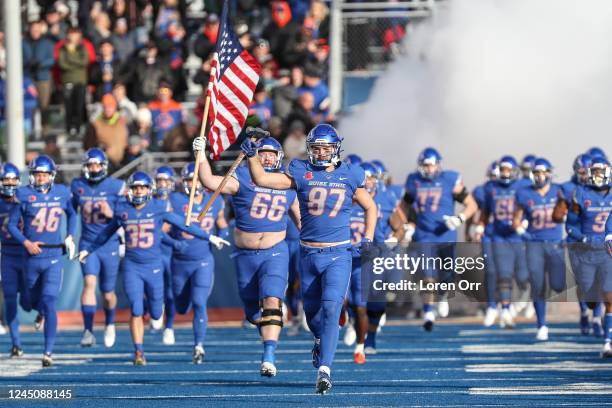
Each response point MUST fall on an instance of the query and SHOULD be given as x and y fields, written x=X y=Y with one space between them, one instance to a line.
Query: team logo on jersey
x=587 y=203
x=80 y=191
x=530 y=203
x=308 y=175
x=32 y=198
x=124 y=216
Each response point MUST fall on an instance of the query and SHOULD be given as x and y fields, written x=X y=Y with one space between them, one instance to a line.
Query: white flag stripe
x=246 y=69
x=237 y=82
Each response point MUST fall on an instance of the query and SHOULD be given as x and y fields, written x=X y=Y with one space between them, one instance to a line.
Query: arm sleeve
x=104 y=235
x=609 y=225
x=13 y=225
x=168 y=240
x=178 y=222
x=71 y=218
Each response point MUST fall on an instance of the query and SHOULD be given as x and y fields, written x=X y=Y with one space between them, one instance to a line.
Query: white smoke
x=494 y=77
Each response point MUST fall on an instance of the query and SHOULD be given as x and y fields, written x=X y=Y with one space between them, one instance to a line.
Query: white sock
x=325 y=369
x=359 y=348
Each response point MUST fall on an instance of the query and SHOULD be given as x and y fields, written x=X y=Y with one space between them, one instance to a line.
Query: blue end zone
x=455 y=365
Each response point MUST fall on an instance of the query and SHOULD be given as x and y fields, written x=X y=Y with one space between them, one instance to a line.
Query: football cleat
x=350 y=335
x=88 y=339
x=597 y=329
x=359 y=357
x=542 y=334
x=442 y=307
x=3 y=330
x=168 y=337
x=324 y=383
x=294 y=329
x=267 y=369
x=305 y=323
x=198 y=355
x=381 y=323
x=529 y=311
x=16 y=351
x=506 y=320
x=429 y=319
x=157 y=324
x=607 y=350
x=369 y=350
x=316 y=354
x=490 y=317
x=139 y=359
x=39 y=321
x=109 y=335
x=47 y=361
x=585 y=325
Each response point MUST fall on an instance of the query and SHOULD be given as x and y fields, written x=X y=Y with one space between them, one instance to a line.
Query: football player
x=96 y=195
x=142 y=219
x=545 y=255
x=430 y=195
x=193 y=267
x=591 y=206
x=12 y=259
x=326 y=188
x=41 y=207
x=261 y=257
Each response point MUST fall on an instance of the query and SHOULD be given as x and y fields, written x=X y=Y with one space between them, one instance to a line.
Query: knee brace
x=271 y=317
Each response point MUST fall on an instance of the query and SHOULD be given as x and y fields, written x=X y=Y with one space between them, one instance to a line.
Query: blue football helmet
x=95 y=155
x=42 y=164
x=493 y=171
x=370 y=171
x=9 y=171
x=383 y=173
x=164 y=173
x=541 y=173
x=581 y=167
x=140 y=178
x=270 y=144
x=353 y=159
x=600 y=174
x=527 y=164
x=429 y=156
x=187 y=177
x=596 y=152
x=323 y=135
x=508 y=170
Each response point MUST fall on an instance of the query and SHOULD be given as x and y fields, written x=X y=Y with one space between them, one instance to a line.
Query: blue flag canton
x=229 y=49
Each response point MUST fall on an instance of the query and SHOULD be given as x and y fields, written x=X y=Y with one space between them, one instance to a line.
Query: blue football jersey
x=325 y=199
x=524 y=182
x=433 y=199
x=479 y=195
x=89 y=197
x=10 y=246
x=143 y=229
x=609 y=225
x=293 y=233
x=260 y=209
x=42 y=215
x=197 y=248
x=357 y=227
x=500 y=202
x=595 y=206
x=386 y=203
x=538 y=211
x=396 y=191
x=567 y=194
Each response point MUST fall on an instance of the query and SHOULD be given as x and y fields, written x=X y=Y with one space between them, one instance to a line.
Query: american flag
x=233 y=78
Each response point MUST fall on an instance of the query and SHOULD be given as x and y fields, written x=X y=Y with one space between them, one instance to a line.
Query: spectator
x=2 y=55
x=244 y=36
x=282 y=34
x=30 y=102
x=177 y=53
x=166 y=114
x=317 y=20
x=143 y=124
x=167 y=14
x=314 y=85
x=127 y=108
x=73 y=62
x=56 y=26
x=38 y=61
x=294 y=144
x=303 y=112
x=101 y=29
x=123 y=40
x=284 y=93
x=179 y=139
x=275 y=127
x=205 y=41
x=146 y=73
x=108 y=131
x=135 y=149
x=261 y=105
x=128 y=11
x=104 y=72
x=202 y=76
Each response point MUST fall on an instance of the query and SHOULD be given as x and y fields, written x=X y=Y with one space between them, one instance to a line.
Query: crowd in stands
x=117 y=69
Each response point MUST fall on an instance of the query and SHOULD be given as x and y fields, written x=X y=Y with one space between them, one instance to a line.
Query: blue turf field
x=457 y=364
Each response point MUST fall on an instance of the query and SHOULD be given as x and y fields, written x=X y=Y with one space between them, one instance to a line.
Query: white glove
x=408 y=233
x=199 y=144
x=82 y=256
x=218 y=242
x=522 y=229
x=70 y=247
x=121 y=250
x=476 y=232
x=453 y=221
x=391 y=242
